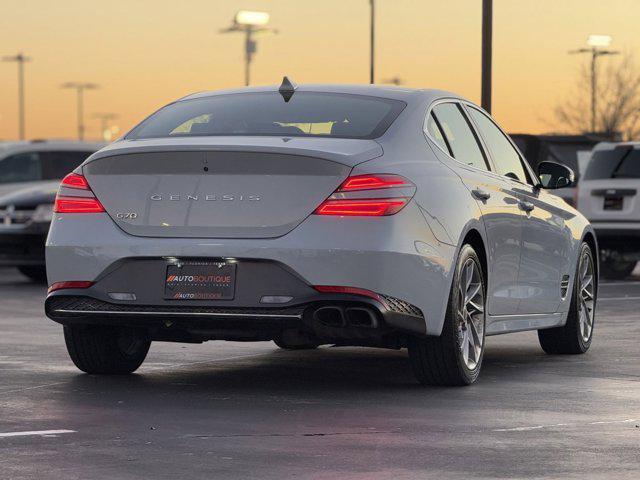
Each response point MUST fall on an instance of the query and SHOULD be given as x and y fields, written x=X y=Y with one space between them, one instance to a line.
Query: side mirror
x=555 y=175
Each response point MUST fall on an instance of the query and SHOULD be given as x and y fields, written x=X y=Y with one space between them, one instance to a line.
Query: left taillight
x=371 y=195
x=82 y=201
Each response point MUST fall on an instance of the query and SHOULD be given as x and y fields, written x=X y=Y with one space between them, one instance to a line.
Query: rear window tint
x=621 y=162
x=306 y=114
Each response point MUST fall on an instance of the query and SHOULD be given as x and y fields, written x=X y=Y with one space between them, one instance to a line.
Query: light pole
x=105 y=118
x=20 y=59
x=372 y=40
x=487 y=47
x=597 y=44
x=249 y=23
x=80 y=87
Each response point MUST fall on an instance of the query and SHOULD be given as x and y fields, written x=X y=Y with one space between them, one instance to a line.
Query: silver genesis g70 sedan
x=318 y=214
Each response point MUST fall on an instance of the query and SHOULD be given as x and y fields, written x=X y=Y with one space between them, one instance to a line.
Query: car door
x=460 y=148
x=545 y=258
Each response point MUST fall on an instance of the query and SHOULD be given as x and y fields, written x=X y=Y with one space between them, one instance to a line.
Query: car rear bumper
x=327 y=318
x=395 y=256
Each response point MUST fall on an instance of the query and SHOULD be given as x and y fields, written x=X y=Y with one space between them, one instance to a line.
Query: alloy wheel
x=586 y=296
x=470 y=314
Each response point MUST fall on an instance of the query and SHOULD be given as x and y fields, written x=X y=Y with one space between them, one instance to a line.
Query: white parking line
x=35 y=433
x=538 y=427
x=609 y=299
x=618 y=284
x=2 y=392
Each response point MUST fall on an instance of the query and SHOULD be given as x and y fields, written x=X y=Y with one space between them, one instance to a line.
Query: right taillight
x=81 y=202
x=379 y=201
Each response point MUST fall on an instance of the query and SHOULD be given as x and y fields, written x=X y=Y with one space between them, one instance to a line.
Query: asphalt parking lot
x=252 y=411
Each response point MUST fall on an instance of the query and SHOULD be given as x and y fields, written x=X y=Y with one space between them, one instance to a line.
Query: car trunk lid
x=236 y=188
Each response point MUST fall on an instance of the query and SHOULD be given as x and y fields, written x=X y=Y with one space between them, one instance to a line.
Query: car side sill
x=497 y=325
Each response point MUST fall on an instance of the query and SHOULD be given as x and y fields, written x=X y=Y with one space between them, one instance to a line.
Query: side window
x=433 y=130
x=58 y=163
x=459 y=136
x=21 y=167
x=505 y=157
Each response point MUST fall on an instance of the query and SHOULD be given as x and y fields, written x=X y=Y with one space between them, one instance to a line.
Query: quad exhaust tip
x=333 y=316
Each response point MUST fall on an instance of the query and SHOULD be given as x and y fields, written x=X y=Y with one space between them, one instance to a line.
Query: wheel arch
x=590 y=239
x=474 y=238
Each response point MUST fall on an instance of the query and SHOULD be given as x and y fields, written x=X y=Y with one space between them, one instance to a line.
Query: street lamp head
x=599 y=40
x=251 y=18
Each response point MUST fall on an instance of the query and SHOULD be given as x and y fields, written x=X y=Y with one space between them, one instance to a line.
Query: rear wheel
x=103 y=350
x=35 y=273
x=577 y=333
x=455 y=357
x=617 y=269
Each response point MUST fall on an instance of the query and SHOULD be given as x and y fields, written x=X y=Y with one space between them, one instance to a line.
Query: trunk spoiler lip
x=348 y=152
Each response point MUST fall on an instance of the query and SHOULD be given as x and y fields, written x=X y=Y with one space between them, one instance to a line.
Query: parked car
x=571 y=150
x=348 y=215
x=30 y=173
x=608 y=197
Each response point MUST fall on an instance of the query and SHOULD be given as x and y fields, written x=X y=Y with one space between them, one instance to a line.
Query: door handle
x=481 y=194
x=526 y=206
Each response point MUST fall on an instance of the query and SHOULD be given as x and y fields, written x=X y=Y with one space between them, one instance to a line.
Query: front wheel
x=576 y=335
x=455 y=357
x=107 y=351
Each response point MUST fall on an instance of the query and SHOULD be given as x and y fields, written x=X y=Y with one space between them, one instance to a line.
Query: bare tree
x=618 y=93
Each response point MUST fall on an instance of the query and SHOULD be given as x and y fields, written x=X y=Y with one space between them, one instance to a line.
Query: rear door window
x=21 y=167
x=460 y=139
x=57 y=164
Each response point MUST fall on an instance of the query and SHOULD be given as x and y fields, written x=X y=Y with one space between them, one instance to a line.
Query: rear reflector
x=77 y=205
x=349 y=290
x=68 y=285
x=373 y=182
x=365 y=208
x=73 y=180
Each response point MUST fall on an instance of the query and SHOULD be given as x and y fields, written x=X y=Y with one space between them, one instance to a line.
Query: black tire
x=569 y=339
x=439 y=360
x=617 y=269
x=36 y=273
x=286 y=346
x=106 y=351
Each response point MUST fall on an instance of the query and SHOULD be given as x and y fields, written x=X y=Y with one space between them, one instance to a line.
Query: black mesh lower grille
x=400 y=306
x=77 y=305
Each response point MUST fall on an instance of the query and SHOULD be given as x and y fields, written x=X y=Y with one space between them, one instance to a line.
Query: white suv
x=608 y=197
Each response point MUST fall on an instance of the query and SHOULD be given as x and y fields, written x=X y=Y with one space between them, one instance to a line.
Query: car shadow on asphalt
x=322 y=373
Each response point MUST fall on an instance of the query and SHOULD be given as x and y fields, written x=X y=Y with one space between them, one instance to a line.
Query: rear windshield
x=621 y=162
x=306 y=114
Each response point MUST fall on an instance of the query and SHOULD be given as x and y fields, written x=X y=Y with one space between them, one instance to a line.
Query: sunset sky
x=145 y=53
